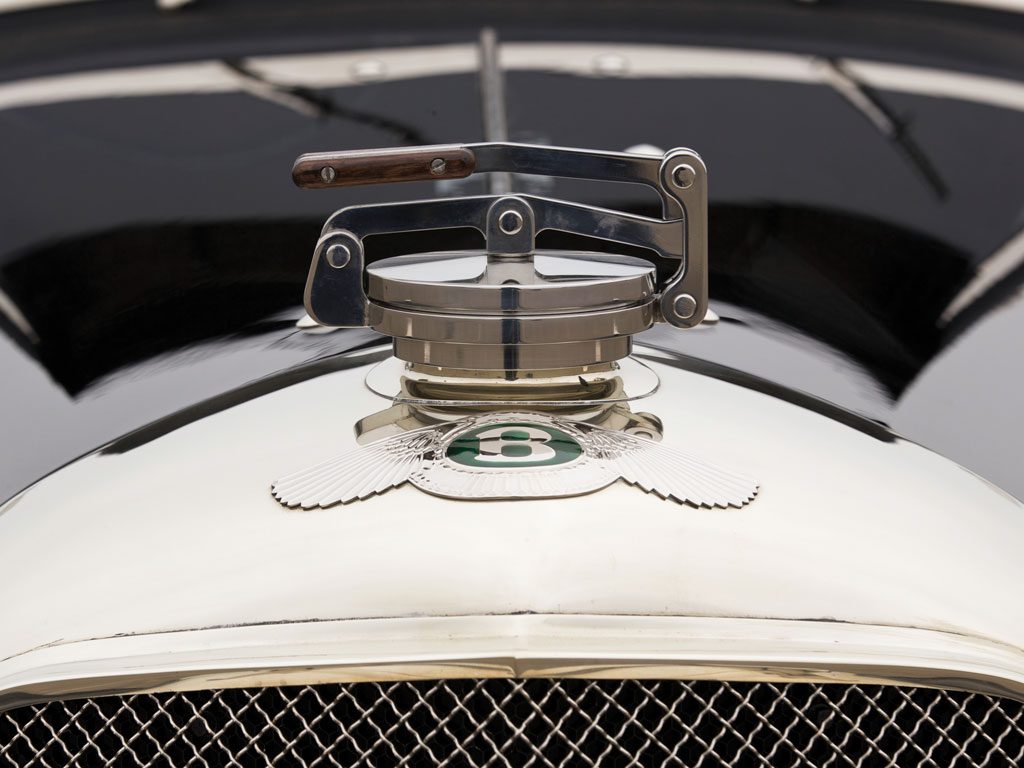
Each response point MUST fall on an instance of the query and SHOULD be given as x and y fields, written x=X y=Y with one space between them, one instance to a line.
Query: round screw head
x=685 y=306
x=510 y=222
x=438 y=166
x=338 y=255
x=327 y=174
x=683 y=176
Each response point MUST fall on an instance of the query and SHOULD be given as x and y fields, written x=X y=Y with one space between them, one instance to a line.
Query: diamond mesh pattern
x=515 y=722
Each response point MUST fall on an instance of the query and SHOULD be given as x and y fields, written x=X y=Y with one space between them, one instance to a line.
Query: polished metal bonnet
x=510 y=307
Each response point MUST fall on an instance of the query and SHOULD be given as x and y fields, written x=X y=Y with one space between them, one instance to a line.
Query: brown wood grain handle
x=323 y=170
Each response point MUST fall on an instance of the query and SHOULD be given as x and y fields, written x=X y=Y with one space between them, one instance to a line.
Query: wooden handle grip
x=323 y=170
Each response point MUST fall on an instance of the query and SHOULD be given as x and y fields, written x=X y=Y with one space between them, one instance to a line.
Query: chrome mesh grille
x=514 y=722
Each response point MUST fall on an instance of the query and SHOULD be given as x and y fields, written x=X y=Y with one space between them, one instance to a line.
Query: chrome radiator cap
x=510 y=308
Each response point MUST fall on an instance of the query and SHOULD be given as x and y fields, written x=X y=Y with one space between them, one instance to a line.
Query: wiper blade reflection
x=884 y=119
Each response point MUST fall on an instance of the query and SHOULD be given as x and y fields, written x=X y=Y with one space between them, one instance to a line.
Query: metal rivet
x=338 y=255
x=438 y=166
x=327 y=174
x=685 y=306
x=683 y=176
x=510 y=222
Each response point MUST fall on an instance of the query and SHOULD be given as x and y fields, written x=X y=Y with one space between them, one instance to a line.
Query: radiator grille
x=514 y=723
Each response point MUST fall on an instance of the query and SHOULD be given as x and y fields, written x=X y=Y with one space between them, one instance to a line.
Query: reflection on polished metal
x=512 y=455
x=506 y=306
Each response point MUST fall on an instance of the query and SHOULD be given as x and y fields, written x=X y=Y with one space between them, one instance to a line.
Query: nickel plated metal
x=511 y=307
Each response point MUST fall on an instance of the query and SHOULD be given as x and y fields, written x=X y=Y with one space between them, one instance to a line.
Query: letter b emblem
x=513 y=445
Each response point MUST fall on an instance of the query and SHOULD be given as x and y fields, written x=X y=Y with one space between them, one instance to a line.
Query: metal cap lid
x=547 y=282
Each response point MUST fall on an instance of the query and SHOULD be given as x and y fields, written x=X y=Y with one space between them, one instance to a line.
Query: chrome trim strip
x=534 y=645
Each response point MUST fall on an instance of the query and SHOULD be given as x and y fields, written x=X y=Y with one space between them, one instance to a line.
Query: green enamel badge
x=513 y=445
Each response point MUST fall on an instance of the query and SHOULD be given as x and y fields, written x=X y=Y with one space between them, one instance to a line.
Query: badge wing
x=669 y=473
x=358 y=473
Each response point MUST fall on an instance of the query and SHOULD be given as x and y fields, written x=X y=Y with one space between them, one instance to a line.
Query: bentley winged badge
x=511 y=376
x=514 y=456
